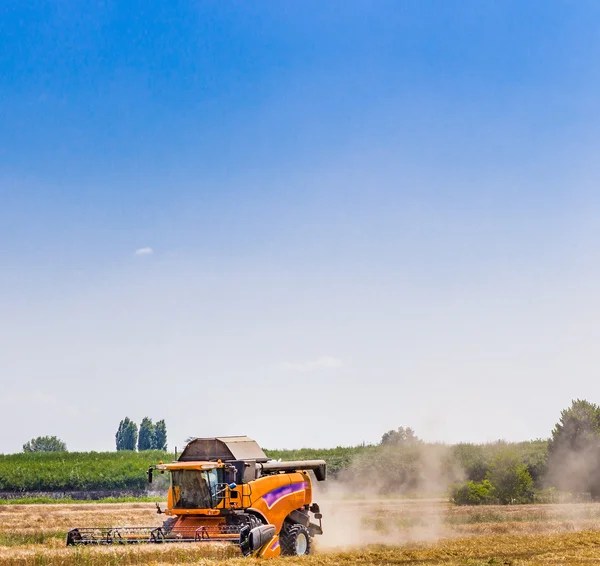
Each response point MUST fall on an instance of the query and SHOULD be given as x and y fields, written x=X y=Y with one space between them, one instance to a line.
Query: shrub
x=472 y=493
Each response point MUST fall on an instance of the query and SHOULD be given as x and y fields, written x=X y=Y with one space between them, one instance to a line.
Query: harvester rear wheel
x=295 y=540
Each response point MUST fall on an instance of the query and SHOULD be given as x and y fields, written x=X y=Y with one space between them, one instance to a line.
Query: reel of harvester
x=146 y=535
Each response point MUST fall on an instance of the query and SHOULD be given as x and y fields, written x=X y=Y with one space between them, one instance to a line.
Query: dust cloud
x=574 y=471
x=388 y=497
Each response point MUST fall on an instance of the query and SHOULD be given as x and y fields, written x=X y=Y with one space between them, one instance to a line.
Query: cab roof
x=224 y=448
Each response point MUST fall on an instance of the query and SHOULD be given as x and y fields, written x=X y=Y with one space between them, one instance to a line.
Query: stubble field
x=367 y=532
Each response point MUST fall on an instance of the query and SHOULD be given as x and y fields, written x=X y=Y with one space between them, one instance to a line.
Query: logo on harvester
x=274 y=496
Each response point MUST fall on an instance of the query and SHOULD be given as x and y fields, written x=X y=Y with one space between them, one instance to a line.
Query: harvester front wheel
x=295 y=540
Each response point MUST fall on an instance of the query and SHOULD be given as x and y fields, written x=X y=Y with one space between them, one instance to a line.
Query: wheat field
x=367 y=532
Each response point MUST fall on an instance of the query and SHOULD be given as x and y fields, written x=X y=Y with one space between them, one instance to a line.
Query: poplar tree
x=146 y=436
x=160 y=435
x=127 y=434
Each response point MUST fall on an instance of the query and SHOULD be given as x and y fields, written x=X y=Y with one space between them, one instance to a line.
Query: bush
x=472 y=493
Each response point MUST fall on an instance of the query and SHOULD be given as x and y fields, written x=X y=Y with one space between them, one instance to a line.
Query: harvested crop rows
x=386 y=531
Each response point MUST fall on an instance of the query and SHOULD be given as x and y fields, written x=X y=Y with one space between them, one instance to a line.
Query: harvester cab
x=226 y=490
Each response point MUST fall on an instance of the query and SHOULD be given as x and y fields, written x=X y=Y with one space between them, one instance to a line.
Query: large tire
x=295 y=540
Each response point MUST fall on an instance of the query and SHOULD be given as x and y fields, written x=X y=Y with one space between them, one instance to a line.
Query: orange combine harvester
x=226 y=490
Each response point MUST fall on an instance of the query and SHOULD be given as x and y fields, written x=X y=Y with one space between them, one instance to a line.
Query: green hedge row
x=77 y=471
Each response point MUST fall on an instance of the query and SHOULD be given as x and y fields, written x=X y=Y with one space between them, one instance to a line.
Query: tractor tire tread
x=288 y=536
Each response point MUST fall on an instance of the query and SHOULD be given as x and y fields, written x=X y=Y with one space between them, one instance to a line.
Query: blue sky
x=361 y=215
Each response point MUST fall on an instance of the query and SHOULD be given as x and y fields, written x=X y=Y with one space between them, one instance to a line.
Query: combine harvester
x=227 y=490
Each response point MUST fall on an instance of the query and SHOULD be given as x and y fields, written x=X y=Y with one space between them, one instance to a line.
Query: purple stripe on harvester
x=274 y=496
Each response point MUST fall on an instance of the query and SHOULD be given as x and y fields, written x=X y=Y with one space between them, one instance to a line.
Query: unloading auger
x=225 y=489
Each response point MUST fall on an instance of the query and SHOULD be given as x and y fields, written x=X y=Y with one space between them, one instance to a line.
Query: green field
x=77 y=471
x=123 y=470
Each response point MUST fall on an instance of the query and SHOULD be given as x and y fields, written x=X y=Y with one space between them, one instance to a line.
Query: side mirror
x=149 y=472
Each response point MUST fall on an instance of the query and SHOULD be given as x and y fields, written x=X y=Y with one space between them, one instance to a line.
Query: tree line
x=565 y=466
x=501 y=472
x=569 y=462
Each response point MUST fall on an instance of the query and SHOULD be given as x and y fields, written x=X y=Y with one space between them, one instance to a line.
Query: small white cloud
x=324 y=362
x=144 y=251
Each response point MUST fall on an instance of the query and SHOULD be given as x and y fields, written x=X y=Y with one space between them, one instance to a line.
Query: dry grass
x=61 y=518
x=451 y=521
x=422 y=533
